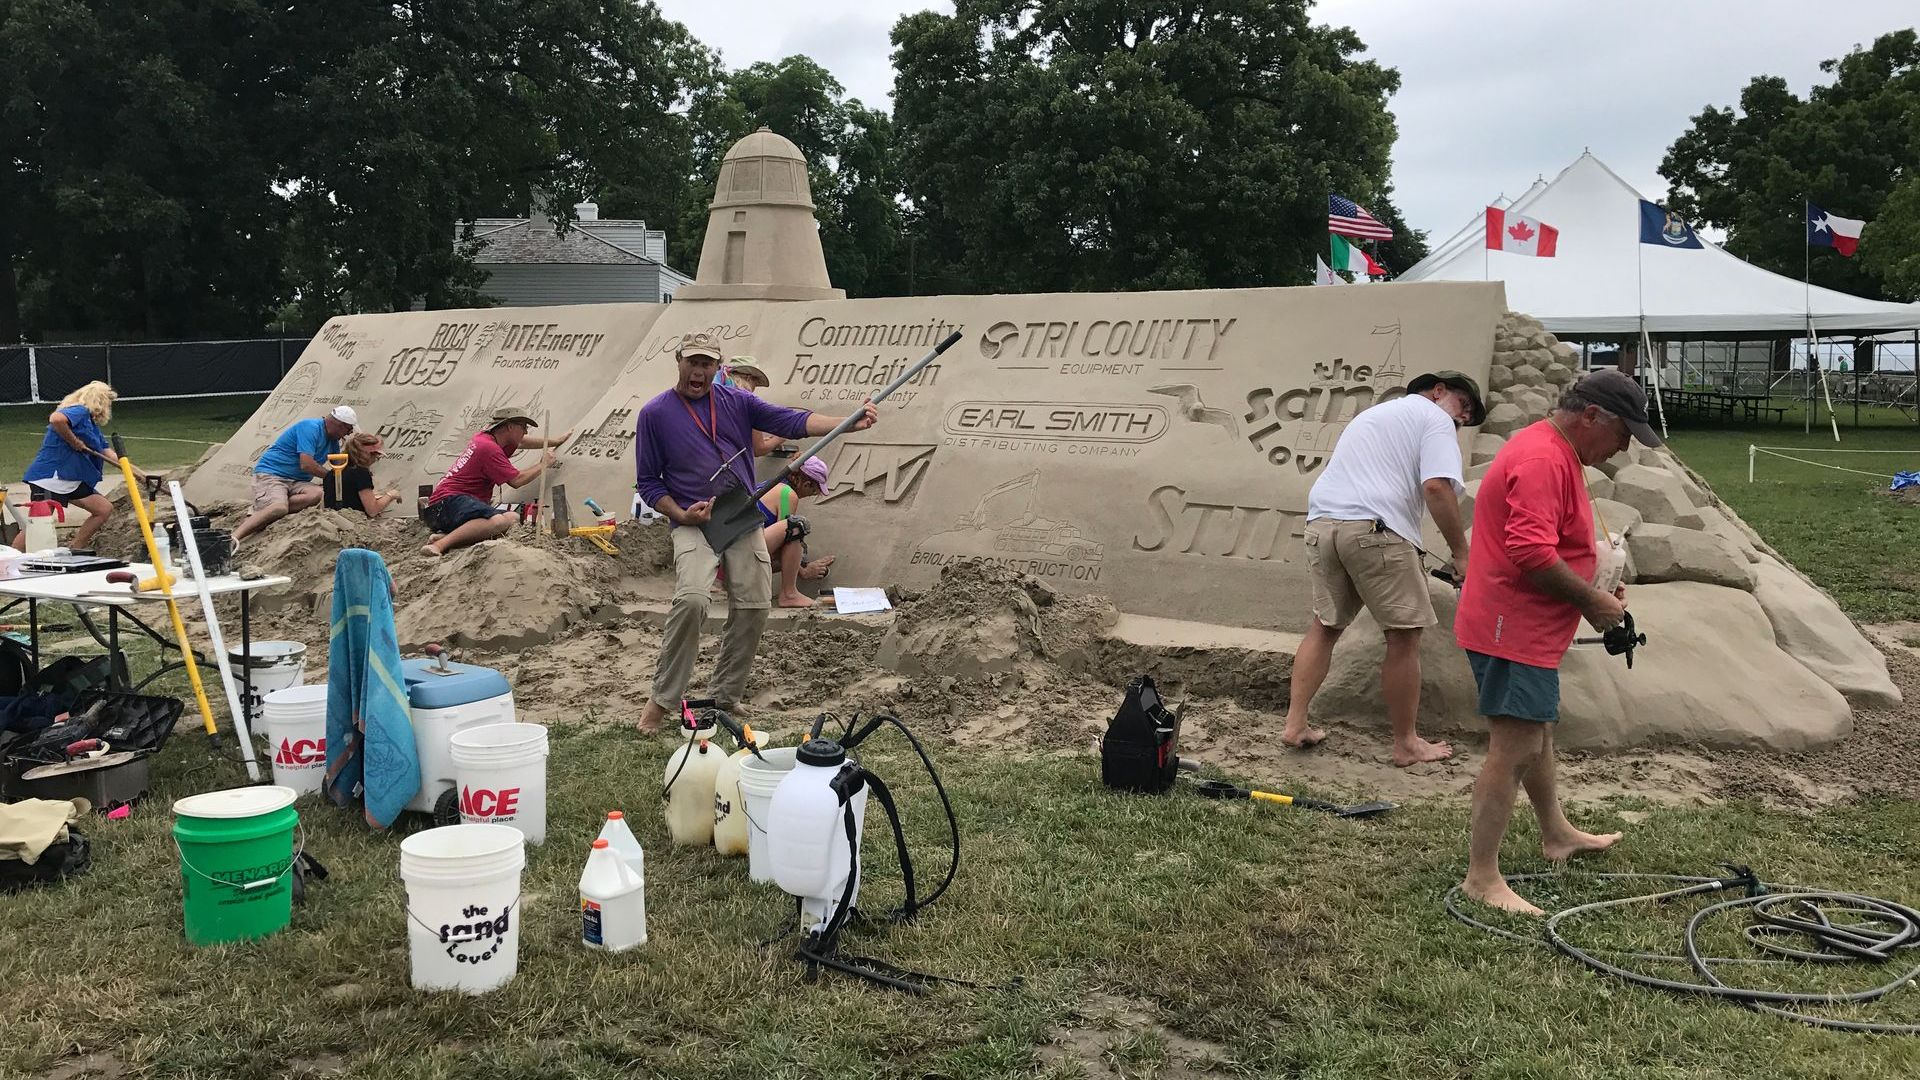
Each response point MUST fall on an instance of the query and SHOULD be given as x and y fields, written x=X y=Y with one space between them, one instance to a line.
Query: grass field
x=1839 y=527
x=1114 y=936
x=159 y=434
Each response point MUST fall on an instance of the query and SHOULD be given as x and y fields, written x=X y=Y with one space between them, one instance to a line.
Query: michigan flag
x=1663 y=228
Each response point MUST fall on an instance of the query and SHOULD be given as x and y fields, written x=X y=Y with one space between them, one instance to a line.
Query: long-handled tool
x=241 y=730
x=166 y=589
x=338 y=463
x=1220 y=789
x=734 y=512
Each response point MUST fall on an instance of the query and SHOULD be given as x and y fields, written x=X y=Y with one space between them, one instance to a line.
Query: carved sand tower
x=762 y=242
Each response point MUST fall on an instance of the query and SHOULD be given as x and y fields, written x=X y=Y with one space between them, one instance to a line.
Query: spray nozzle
x=1619 y=639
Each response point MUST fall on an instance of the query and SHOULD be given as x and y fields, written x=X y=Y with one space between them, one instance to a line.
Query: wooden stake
x=561 y=520
x=546 y=473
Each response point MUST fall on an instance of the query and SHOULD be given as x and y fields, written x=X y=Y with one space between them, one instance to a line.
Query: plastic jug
x=806 y=832
x=613 y=902
x=619 y=836
x=729 y=807
x=1610 y=563
x=689 y=780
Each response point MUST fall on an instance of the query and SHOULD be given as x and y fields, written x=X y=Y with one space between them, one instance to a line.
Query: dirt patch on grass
x=1116 y=1038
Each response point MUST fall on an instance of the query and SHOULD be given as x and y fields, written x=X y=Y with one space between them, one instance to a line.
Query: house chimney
x=586 y=211
x=537 y=217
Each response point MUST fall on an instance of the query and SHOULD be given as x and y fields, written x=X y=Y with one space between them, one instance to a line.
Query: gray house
x=529 y=262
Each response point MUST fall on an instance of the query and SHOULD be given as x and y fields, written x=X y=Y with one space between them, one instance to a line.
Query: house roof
x=520 y=243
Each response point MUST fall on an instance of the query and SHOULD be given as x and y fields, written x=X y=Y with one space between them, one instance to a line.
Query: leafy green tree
x=1850 y=146
x=1102 y=144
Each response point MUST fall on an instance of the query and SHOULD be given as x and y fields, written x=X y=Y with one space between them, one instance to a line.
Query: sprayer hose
x=1835 y=927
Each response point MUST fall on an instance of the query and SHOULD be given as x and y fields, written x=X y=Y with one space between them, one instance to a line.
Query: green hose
x=1829 y=927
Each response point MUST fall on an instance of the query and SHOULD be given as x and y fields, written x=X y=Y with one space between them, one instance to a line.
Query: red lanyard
x=711 y=428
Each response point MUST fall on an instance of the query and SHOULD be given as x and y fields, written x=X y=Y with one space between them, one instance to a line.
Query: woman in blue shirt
x=69 y=463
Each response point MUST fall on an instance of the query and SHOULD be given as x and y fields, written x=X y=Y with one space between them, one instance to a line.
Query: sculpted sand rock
x=1670 y=553
x=1811 y=629
x=1657 y=494
x=1731 y=688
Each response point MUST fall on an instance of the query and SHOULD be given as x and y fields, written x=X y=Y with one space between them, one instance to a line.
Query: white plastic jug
x=729 y=811
x=688 y=781
x=613 y=902
x=37 y=532
x=619 y=836
x=806 y=833
x=1610 y=563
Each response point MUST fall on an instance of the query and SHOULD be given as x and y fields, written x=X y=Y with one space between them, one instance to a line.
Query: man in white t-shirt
x=1363 y=536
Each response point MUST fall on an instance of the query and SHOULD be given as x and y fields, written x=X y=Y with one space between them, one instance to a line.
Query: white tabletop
x=70 y=587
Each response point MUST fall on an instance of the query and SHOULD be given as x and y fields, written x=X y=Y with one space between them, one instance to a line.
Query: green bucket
x=236 y=862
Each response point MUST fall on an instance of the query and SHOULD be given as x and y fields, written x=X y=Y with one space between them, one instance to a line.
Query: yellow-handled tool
x=338 y=463
x=164 y=581
x=597 y=535
x=1220 y=789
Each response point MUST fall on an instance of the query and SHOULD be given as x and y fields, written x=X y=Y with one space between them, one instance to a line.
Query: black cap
x=1453 y=380
x=820 y=752
x=1616 y=392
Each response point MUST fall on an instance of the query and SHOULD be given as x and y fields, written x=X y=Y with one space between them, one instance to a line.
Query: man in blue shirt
x=283 y=478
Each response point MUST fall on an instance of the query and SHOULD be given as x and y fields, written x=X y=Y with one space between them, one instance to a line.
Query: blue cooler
x=446 y=697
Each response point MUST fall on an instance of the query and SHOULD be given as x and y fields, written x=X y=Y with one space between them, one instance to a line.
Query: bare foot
x=1501 y=895
x=1303 y=739
x=650 y=719
x=429 y=549
x=1560 y=849
x=799 y=600
x=1421 y=751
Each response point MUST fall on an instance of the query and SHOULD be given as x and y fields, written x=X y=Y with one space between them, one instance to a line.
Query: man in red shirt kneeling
x=461 y=507
x=1530 y=580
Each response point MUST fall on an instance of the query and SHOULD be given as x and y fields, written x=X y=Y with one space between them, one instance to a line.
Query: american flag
x=1349 y=218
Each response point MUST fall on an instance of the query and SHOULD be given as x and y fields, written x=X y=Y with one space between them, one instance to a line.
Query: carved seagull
x=1196 y=410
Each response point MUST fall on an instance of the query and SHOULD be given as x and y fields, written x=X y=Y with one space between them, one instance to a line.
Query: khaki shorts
x=1354 y=567
x=272 y=492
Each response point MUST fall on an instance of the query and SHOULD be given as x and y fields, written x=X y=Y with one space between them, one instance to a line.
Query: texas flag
x=1520 y=235
x=1842 y=234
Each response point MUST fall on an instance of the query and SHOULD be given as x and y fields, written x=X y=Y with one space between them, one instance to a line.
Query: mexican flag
x=1348 y=257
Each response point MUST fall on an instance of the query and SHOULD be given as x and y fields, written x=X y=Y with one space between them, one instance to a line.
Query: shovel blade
x=1366 y=809
x=733 y=516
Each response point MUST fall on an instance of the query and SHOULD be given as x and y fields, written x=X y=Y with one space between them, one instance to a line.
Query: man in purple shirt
x=692 y=443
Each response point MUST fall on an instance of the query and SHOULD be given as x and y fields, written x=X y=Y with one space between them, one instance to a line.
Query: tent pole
x=1824 y=391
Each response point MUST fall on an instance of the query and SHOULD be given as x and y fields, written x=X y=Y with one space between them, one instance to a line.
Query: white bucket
x=271 y=665
x=296 y=724
x=463 y=906
x=758 y=778
x=501 y=771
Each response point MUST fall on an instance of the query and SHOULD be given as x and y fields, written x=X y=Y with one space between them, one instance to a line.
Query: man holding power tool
x=686 y=442
x=1363 y=544
x=1531 y=582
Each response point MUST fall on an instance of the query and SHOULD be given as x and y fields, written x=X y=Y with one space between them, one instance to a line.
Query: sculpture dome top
x=765 y=143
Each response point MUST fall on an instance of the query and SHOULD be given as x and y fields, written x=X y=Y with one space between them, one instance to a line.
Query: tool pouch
x=1139 y=752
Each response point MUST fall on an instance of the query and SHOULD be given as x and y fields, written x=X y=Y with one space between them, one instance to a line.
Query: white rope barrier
x=1771 y=452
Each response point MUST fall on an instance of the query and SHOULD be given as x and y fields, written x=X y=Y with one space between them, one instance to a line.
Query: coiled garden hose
x=1796 y=925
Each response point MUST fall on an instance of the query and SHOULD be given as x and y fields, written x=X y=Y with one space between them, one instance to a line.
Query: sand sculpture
x=1152 y=448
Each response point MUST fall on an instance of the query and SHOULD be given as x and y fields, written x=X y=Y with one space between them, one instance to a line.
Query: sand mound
x=503 y=594
x=981 y=618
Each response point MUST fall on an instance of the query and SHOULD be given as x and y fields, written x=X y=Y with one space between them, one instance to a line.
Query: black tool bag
x=68 y=858
x=1139 y=752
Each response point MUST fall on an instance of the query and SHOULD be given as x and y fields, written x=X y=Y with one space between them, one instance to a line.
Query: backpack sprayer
x=815 y=826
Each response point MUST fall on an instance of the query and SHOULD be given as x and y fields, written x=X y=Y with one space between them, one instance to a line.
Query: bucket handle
x=299 y=849
x=749 y=815
x=505 y=908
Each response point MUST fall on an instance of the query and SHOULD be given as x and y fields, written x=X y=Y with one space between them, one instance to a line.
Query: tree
x=1096 y=144
x=1850 y=146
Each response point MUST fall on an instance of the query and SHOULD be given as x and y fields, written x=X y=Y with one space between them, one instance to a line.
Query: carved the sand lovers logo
x=1302 y=424
x=293 y=395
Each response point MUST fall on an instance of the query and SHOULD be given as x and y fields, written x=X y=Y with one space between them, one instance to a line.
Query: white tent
x=1602 y=278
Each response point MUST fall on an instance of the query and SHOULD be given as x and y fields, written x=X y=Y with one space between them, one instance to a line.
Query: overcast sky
x=1493 y=92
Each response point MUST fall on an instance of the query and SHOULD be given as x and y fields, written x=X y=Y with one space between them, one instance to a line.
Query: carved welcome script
x=1301 y=425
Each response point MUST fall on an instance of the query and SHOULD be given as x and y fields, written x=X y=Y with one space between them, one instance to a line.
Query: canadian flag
x=1520 y=235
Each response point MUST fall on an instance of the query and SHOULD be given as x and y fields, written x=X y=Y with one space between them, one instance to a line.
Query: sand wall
x=426 y=379
x=1153 y=447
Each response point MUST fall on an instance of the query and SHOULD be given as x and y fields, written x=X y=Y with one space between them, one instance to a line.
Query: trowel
x=1220 y=789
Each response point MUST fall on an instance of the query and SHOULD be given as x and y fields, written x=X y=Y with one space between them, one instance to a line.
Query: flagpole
x=1646 y=343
